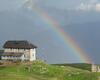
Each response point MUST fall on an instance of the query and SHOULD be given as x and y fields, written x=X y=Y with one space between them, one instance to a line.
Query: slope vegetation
x=38 y=70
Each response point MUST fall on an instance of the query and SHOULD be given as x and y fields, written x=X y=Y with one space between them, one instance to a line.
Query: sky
x=60 y=4
x=79 y=18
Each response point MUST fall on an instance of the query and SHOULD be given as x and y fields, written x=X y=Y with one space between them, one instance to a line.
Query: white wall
x=27 y=54
x=95 y=68
x=14 y=50
x=30 y=54
x=12 y=58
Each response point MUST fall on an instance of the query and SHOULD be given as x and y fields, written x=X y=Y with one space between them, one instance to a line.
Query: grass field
x=83 y=66
x=38 y=70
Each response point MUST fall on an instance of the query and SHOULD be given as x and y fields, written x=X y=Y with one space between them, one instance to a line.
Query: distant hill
x=83 y=66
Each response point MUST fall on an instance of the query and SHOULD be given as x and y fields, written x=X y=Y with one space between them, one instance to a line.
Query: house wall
x=29 y=54
x=12 y=58
x=14 y=50
x=32 y=54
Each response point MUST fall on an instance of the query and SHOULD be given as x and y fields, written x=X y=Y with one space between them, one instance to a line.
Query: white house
x=19 y=50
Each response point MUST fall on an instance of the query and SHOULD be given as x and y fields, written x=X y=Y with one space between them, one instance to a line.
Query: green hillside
x=38 y=70
x=84 y=66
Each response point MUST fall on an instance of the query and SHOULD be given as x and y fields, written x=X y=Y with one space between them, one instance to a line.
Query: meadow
x=39 y=70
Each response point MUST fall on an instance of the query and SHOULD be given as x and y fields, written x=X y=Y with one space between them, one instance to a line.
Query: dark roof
x=12 y=54
x=19 y=45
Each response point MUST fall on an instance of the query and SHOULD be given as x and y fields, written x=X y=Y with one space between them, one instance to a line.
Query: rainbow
x=68 y=40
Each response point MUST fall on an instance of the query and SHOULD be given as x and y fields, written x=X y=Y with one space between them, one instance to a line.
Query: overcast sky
x=79 y=18
x=61 y=4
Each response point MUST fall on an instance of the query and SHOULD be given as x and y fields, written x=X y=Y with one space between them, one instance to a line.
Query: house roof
x=13 y=54
x=19 y=45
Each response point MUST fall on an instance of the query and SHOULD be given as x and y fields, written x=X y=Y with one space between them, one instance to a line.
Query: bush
x=1 y=63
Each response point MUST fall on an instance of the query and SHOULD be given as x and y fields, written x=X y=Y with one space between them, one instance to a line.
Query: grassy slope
x=83 y=66
x=41 y=71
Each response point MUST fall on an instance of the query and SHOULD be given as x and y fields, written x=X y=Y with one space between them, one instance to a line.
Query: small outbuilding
x=95 y=68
